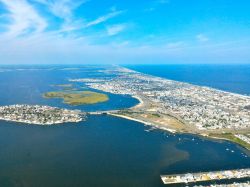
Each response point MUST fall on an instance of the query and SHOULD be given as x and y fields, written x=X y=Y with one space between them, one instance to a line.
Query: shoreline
x=143 y=122
x=146 y=110
x=39 y=114
x=177 y=132
x=140 y=104
x=39 y=124
x=173 y=131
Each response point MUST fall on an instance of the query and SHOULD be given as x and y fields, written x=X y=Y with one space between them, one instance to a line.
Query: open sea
x=231 y=78
x=106 y=151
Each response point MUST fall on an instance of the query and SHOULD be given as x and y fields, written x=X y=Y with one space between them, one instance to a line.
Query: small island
x=78 y=97
x=39 y=115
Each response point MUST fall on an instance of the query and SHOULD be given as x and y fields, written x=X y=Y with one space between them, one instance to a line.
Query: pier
x=205 y=176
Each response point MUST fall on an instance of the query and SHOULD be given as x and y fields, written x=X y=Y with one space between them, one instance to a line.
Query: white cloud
x=202 y=38
x=104 y=18
x=62 y=8
x=115 y=29
x=23 y=17
x=79 y=24
x=25 y=21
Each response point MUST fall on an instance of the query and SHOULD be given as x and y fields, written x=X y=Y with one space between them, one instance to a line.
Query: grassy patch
x=231 y=137
x=156 y=115
x=78 y=97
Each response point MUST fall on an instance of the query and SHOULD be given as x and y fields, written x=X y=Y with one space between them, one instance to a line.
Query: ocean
x=104 y=150
x=231 y=78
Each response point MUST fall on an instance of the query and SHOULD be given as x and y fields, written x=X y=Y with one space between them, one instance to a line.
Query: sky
x=124 y=31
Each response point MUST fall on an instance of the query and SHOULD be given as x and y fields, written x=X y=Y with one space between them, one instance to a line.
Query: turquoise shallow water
x=103 y=150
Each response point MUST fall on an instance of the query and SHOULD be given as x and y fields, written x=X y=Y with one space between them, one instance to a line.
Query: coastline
x=39 y=114
x=147 y=110
x=140 y=106
x=177 y=132
x=35 y=123
x=141 y=121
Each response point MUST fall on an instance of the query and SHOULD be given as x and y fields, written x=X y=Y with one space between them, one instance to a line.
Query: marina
x=205 y=176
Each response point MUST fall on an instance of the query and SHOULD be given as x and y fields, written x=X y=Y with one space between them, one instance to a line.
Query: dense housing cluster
x=40 y=115
x=203 y=107
x=245 y=138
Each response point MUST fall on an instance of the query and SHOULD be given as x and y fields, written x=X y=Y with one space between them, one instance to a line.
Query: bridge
x=103 y=112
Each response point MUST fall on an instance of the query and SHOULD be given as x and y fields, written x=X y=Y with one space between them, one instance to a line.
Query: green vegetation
x=78 y=97
x=125 y=111
x=156 y=115
x=66 y=87
x=231 y=137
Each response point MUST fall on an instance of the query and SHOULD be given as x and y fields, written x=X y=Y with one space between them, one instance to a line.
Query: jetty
x=205 y=176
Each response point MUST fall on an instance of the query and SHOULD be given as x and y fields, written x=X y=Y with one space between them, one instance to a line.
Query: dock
x=205 y=176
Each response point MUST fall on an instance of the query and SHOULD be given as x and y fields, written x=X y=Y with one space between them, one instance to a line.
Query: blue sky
x=112 y=31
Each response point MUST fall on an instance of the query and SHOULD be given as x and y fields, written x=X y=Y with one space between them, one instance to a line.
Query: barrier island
x=178 y=106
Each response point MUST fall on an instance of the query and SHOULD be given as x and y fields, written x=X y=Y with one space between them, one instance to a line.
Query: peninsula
x=178 y=106
x=39 y=115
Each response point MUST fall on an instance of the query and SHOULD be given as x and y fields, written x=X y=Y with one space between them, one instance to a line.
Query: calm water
x=232 y=78
x=102 y=151
x=27 y=85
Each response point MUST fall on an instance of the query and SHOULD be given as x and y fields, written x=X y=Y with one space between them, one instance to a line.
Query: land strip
x=177 y=106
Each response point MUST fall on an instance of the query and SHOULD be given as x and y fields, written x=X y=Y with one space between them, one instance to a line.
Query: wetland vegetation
x=77 y=97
